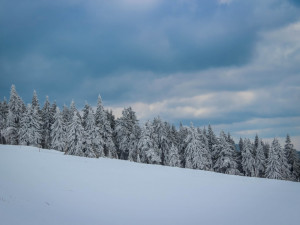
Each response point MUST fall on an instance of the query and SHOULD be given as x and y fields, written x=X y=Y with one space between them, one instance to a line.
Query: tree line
x=97 y=133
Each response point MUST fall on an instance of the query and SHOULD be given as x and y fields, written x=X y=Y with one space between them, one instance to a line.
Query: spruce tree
x=148 y=148
x=127 y=135
x=273 y=169
x=160 y=136
x=15 y=112
x=3 y=120
x=182 y=134
x=248 y=160
x=93 y=142
x=75 y=135
x=260 y=160
x=197 y=155
x=106 y=133
x=224 y=155
x=293 y=158
x=58 y=134
x=36 y=127
x=25 y=132
x=173 y=156
x=47 y=118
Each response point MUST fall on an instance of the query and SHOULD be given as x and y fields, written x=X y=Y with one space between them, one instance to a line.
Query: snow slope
x=46 y=187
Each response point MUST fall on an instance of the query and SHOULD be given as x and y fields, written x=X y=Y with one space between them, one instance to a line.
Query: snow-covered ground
x=40 y=187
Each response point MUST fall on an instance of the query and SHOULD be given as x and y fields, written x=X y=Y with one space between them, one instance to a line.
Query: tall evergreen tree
x=182 y=134
x=3 y=120
x=260 y=160
x=75 y=135
x=212 y=139
x=293 y=158
x=160 y=136
x=58 y=134
x=93 y=142
x=127 y=135
x=149 y=152
x=15 y=113
x=285 y=167
x=25 y=132
x=224 y=154
x=197 y=155
x=172 y=158
x=36 y=127
x=47 y=119
x=248 y=160
x=273 y=169
x=106 y=133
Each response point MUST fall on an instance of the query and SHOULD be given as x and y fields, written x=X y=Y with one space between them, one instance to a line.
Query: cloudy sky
x=232 y=63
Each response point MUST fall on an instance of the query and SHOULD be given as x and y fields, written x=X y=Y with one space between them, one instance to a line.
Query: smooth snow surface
x=46 y=187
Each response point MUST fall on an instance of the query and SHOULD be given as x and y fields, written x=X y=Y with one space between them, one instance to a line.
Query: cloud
x=219 y=62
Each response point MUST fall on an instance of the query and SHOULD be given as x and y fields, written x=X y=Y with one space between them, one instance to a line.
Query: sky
x=234 y=64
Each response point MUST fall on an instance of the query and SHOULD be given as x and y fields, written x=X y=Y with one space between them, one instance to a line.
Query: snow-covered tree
x=197 y=155
x=285 y=167
x=47 y=119
x=36 y=127
x=182 y=134
x=75 y=134
x=106 y=133
x=93 y=142
x=293 y=158
x=260 y=160
x=3 y=120
x=16 y=109
x=273 y=169
x=58 y=134
x=173 y=157
x=248 y=160
x=224 y=154
x=25 y=132
x=35 y=101
x=127 y=134
x=148 y=149
x=160 y=136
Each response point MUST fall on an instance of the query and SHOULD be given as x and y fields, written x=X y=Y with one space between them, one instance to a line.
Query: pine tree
x=36 y=127
x=293 y=158
x=273 y=169
x=93 y=142
x=106 y=133
x=173 y=157
x=3 y=120
x=248 y=160
x=212 y=140
x=127 y=135
x=25 y=132
x=182 y=134
x=75 y=135
x=15 y=113
x=197 y=156
x=260 y=160
x=47 y=118
x=160 y=136
x=285 y=167
x=35 y=101
x=147 y=146
x=58 y=134
x=224 y=155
